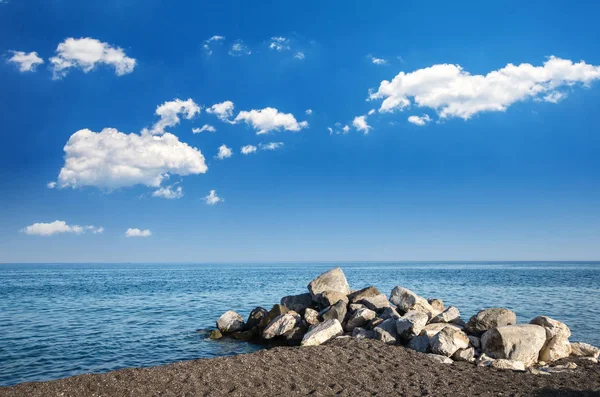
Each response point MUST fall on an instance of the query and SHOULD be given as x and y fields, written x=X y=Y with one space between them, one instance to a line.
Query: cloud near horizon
x=135 y=232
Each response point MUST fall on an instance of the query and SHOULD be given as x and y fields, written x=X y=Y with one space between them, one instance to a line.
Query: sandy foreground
x=343 y=368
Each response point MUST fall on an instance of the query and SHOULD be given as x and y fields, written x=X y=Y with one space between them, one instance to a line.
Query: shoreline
x=345 y=366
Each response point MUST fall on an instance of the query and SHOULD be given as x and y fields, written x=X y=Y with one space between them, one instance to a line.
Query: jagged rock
x=361 y=333
x=322 y=332
x=297 y=302
x=276 y=311
x=467 y=355
x=556 y=348
x=386 y=331
x=406 y=300
x=432 y=329
x=440 y=359
x=475 y=341
x=580 y=349
x=332 y=280
x=296 y=334
x=448 y=341
x=553 y=327
x=377 y=303
x=449 y=315
x=419 y=343
x=359 y=295
x=437 y=304
x=411 y=324
x=521 y=342
x=513 y=365
x=484 y=361
x=337 y=311
x=245 y=336
x=389 y=312
x=359 y=318
x=330 y=298
x=258 y=317
x=279 y=326
x=230 y=321
x=490 y=318
x=375 y=322
x=215 y=334
x=311 y=316
x=356 y=306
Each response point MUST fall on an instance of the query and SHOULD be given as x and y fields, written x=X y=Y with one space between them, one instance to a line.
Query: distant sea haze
x=58 y=320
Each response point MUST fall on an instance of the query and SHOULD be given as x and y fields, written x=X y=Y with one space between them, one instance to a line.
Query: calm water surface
x=63 y=320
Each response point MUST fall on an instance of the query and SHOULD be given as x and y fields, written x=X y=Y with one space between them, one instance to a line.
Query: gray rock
x=229 y=322
x=449 y=315
x=276 y=311
x=377 y=303
x=311 y=316
x=406 y=300
x=420 y=344
x=448 y=341
x=368 y=292
x=361 y=333
x=553 y=327
x=296 y=334
x=356 y=306
x=437 y=304
x=245 y=336
x=389 y=312
x=521 y=342
x=359 y=319
x=332 y=280
x=440 y=359
x=467 y=355
x=513 y=365
x=556 y=348
x=297 y=302
x=330 y=298
x=484 y=361
x=279 y=326
x=475 y=341
x=337 y=311
x=259 y=318
x=215 y=334
x=386 y=331
x=322 y=333
x=411 y=324
x=580 y=349
x=490 y=318
x=433 y=329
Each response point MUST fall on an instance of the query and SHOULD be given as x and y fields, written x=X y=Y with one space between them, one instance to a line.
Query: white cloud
x=371 y=112
x=420 y=120
x=135 y=232
x=26 y=62
x=346 y=129
x=299 y=55
x=168 y=192
x=212 y=198
x=280 y=44
x=360 y=123
x=271 y=145
x=224 y=152
x=378 y=61
x=86 y=53
x=207 y=43
x=169 y=114
x=270 y=119
x=308 y=111
x=554 y=97
x=223 y=110
x=248 y=149
x=330 y=130
x=238 y=49
x=51 y=185
x=111 y=159
x=56 y=227
x=453 y=92
x=205 y=127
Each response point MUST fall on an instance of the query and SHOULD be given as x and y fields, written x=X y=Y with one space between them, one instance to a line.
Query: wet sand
x=346 y=367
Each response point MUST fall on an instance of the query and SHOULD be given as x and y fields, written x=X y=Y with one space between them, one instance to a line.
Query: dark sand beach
x=344 y=367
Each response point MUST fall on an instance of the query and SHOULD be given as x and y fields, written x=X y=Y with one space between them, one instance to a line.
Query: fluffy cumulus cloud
x=170 y=111
x=212 y=198
x=248 y=149
x=205 y=127
x=224 y=152
x=85 y=53
x=270 y=119
x=453 y=92
x=239 y=49
x=26 y=62
x=223 y=110
x=420 y=120
x=111 y=159
x=279 y=44
x=168 y=192
x=360 y=123
x=208 y=43
x=271 y=145
x=135 y=232
x=57 y=227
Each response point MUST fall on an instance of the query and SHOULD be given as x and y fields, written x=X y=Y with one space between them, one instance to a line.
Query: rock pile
x=330 y=309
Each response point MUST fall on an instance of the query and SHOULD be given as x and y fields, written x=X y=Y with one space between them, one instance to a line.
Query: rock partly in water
x=580 y=349
x=513 y=365
x=359 y=319
x=521 y=342
x=297 y=302
x=245 y=336
x=215 y=334
x=449 y=315
x=229 y=322
x=386 y=331
x=311 y=316
x=448 y=341
x=337 y=312
x=259 y=318
x=420 y=344
x=406 y=300
x=467 y=355
x=279 y=326
x=359 y=295
x=440 y=359
x=322 y=333
x=490 y=318
x=377 y=303
x=411 y=324
x=332 y=280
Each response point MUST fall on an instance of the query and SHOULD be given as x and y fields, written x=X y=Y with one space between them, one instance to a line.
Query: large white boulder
x=322 y=333
x=230 y=321
x=553 y=327
x=332 y=280
x=406 y=300
x=449 y=315
x=448 y=341
x=490 y=318
x=556 y=348
x=411 y=324
x=580 y=349
x=521 y=342
x=280 y=325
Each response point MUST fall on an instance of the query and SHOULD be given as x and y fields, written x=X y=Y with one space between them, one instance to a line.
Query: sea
x=59 y=320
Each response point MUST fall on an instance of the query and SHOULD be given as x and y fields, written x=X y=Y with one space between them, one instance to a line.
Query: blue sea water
x=58 y=320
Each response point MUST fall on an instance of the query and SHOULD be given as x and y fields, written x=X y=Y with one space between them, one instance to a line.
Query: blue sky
x=505 y=165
